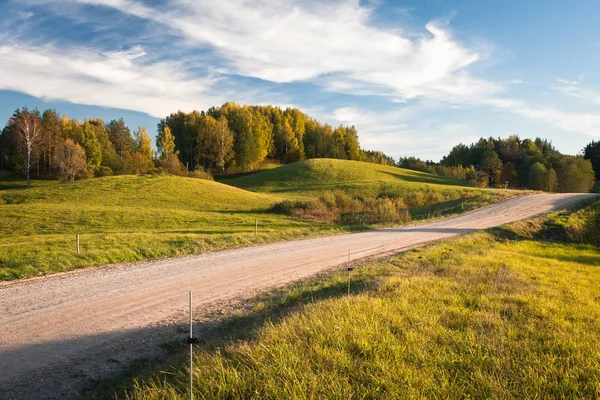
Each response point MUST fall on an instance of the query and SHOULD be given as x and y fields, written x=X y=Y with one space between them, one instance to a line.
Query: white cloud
x=113 y=79
x=574 y=89
x=333 y=43
x=405 y=132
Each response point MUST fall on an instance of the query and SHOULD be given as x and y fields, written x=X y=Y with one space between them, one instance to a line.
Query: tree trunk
x=28 y=166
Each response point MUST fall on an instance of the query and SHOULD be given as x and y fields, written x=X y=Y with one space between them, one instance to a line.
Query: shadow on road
x=108 y=362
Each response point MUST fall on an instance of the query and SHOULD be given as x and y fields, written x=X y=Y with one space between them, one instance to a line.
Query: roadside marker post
x=77 y=237
x=349 y=269
x=191 y=341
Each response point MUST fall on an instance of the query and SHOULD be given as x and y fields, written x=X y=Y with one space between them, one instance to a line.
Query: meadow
x=131 y=218
x=507 y=313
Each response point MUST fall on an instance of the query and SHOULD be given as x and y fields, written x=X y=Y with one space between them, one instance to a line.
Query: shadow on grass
x=427 y=178
x=221 y=330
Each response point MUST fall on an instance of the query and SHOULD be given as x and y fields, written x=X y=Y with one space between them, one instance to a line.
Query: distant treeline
x=532 y=164
x=234 y=139
x=226 y=139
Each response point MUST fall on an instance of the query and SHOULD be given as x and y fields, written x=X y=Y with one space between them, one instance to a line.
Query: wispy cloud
x=334 y=45
x=404 y=131
x=117 y=79
x=574 y=89
x=289 y=41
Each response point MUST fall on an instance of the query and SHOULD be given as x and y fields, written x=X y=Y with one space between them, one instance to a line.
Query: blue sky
x=415 y=77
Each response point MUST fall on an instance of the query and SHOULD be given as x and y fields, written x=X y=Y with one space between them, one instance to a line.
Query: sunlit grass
x=132 y=218
x=311 y=178
x=481 y=316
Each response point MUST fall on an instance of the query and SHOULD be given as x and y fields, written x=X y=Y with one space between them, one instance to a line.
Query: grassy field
x=310 y=179
x=129 y=218
x=425 y=195
x=132 y=218
x=501 y=314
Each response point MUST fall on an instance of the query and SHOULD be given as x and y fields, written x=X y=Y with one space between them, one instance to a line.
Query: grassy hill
x=311 y=178
x=425 y=194
x=499 y=314
x=129 y=218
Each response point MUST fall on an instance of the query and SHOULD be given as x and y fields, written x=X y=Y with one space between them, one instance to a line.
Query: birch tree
x=28 y=137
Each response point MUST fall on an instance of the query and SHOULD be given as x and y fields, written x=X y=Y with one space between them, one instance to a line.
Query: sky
x=415 y=77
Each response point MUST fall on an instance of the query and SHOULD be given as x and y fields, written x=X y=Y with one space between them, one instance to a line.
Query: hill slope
x=313 y=177
x=128 y=218
x=424 y=193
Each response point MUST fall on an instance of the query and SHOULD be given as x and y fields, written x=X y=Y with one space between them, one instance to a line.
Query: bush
x=103 y=171
x=200 y=173
x=172 y=166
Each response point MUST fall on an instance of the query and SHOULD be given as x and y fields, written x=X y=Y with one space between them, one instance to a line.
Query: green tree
x=51 y=138
x=509 y=174
x=91 y=144
x=165 y=142
x=538 y=177
x=120 y=136
x=216 y=143
x=575 y=175
x=552 y=180
x=352 y=146
x=143 y=143
x=592 y=152
x=492 y=166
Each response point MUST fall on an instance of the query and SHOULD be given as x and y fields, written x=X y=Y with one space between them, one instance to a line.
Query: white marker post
x=191 y=352
x=77 y=237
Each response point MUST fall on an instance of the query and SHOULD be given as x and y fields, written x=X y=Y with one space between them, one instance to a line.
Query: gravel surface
x=59 y=332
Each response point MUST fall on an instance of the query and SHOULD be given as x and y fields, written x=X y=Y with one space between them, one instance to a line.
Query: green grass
x=490 y=315
x=310 y=179
x=130 y=218
x=10 y=180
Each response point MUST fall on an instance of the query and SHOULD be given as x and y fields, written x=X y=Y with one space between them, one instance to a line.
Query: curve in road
x=57 y=332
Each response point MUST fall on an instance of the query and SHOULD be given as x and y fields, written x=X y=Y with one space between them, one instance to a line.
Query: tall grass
x=482 y=316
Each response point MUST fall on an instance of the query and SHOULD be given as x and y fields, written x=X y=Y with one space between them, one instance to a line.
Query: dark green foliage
x=533 y=164
x=592 y=152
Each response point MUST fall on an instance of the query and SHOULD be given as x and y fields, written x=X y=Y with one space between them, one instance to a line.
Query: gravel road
x=58 y=332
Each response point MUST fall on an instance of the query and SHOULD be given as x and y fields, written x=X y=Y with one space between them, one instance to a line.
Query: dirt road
x=60 y=331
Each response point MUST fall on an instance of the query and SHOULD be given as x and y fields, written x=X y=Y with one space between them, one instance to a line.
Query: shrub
x=200 y=173
x=103 y=171
x=172 y=165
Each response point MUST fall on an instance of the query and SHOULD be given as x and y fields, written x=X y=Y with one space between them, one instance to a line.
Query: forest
x=233 y=139
x=516 y=163
x=223 y=140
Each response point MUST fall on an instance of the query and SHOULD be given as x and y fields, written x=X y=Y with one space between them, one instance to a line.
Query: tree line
x=226 y=139
x=239 y=138
x=516 y=163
